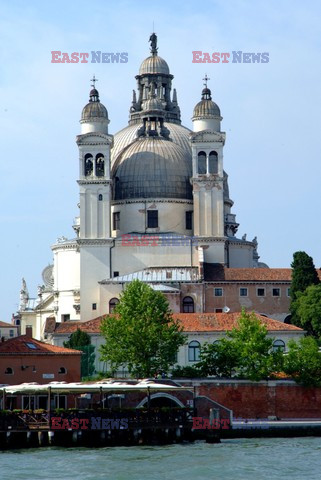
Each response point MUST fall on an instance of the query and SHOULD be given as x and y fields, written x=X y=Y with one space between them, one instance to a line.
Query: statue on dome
x=153 y=43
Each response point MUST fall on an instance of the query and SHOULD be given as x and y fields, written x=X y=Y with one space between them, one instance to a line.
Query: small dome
x=206 y=108
x=153 y=168
x=152 y=104
x=154 y=64
x=94 y=109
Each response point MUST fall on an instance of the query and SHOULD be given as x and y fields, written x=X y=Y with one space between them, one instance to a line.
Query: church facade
x=154 y=205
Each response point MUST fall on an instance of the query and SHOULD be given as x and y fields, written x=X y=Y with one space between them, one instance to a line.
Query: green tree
x=308 y=308
x=304 y=274
x=245 y=353
x=141 y=333
x=80 y=340
x=219 y=359
x=303 y=361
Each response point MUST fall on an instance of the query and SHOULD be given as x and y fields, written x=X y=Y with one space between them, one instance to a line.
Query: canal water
x=259 y=459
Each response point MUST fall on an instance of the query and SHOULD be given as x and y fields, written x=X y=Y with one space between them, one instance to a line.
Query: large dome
x=152 y=168
x=126 y=136
x=154 y=64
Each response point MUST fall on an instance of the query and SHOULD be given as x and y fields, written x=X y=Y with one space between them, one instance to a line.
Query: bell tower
x=207 y=143
x=93 y=226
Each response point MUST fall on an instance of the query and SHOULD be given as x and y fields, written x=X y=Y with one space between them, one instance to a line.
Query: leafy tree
x=303 y=361
x=304 y=274
x=308 y=308
x=141 y=332
x=245 y=353
x=219 y=359
x=80 y=340
x=189 y=371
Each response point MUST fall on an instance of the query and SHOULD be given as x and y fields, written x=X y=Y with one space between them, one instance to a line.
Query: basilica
x=154 y=205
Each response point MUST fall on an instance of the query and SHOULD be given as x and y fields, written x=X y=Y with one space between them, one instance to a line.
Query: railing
x=135 y=418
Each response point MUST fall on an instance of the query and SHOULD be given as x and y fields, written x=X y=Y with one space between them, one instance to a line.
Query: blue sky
x=271 y=114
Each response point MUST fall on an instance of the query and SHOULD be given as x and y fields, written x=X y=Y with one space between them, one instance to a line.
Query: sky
x=271 y=114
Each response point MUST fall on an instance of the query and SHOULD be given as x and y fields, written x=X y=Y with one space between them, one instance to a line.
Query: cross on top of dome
x=94 y=80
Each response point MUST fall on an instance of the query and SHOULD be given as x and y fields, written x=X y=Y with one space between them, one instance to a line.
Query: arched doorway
x=161 y=400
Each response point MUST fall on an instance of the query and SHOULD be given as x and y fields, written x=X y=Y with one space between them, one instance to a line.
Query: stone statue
x=244 y=237
x=153 y=43
x=24 y=295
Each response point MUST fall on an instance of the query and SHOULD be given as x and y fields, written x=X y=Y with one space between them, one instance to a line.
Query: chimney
x=29 y=331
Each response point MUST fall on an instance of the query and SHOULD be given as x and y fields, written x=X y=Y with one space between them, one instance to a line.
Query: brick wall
x=282 y=399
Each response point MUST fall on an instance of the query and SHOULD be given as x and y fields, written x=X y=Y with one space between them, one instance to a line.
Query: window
x=213 y=163
x=188 y=305
x=243 y=292
x=32 y=346
x=60 y=401
x=116 y=220
x=201 y=163
x=288 y=292
x=278 y=345
x=11 y=333
x=94 y=306
x=8 y=371
x=218 y=310
x=188 y=220
x=100 y=165
x=194 y=349
x=260 y=292
x=62 y=371
x=88 y=165
x=152 y=218
x=218 y=292
x=276 y=292
x=100 y=197
x=65 y=317
x=112 y=304
x=116 y=274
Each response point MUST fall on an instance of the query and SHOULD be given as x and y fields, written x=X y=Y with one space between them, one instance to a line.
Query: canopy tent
x=99 y=387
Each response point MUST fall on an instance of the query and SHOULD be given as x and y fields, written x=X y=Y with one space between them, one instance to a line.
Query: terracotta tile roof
x=221 y=322
x=19 y=345
x=92 y=326
x=192 y=322
x=50 y=325
x=7 y=325
x=217 y=273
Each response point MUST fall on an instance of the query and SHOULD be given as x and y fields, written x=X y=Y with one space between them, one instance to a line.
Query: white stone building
x=154 y=204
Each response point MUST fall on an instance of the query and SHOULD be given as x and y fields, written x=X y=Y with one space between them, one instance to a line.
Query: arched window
x=112 y=304
x=8 y=371
x=194 y=349
x=100 y=197
x=288 y=320
x=201 y=163
x=88 y=165
x=188 y=305
x=62 y=371
x=213 y=163
x=100 y=165
x=278 y=345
